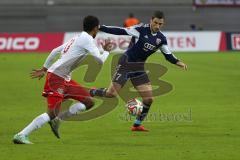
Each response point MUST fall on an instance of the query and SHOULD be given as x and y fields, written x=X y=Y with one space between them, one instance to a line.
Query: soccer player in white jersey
x=58 y=85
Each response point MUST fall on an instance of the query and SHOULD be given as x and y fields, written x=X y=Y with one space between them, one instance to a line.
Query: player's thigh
x=120 y=76
x=54 y=105
x=142 y=84
x=118 y=81
x=78 y=92
x=74 y=89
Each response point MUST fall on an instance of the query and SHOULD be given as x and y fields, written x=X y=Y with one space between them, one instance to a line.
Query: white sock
x=37 y=123
x=73 y=110
x=77 y=107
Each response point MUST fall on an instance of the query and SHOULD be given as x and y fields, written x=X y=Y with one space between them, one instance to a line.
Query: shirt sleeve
x=48 y=62
x=131 y=31
x=94 y=51
x=169 y=56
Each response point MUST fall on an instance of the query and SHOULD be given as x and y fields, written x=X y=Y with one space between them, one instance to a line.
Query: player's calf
x=38 y=122
x=72 y=111
x=146 y=106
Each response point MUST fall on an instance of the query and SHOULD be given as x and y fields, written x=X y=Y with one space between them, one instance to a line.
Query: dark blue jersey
x=143 y=42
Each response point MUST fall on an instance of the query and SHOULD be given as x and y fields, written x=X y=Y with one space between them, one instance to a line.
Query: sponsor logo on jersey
x=158 y=41
x=19 y=43
x=149 y=46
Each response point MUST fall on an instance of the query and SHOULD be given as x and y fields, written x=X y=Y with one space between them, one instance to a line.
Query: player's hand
x=38 y=73
x=182 y=65
x=108 y=45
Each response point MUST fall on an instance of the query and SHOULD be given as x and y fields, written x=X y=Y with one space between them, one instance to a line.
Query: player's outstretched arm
x=107 y=46
x=171 y=57
x=113 y=30
x=132 y=31
x=94 y=51
x=182 y=65
x=56 y=51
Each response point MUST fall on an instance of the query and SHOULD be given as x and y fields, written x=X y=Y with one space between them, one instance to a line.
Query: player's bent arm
x=94 y=51
x=48 y=62
x=168 y=54
x=171 y=58
x=119 y=30
x=100 y=58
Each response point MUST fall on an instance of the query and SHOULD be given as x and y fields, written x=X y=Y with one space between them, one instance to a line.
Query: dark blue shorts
x=130 y=70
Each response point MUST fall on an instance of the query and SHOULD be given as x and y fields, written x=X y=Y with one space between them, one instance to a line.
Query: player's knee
x=54 y=104
x=89 y=103
x=148 y=100
x=51 y=114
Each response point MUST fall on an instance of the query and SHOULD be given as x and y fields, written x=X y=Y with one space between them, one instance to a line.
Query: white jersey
x=72 y=54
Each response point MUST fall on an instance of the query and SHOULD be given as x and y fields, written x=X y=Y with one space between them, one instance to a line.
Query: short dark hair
x=89 y=23
x=158 y=14
x=131 y=15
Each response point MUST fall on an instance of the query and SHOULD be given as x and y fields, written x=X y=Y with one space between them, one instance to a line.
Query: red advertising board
x=29 y=42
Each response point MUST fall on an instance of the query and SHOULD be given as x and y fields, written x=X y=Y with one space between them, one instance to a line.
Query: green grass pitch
x=209 y=92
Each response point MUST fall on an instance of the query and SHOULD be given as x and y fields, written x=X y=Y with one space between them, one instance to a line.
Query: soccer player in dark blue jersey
x=146 y=40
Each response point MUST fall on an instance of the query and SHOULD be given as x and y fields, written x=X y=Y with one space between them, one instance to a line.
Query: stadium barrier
x=233 y=41
x=29 y=42
x=178 y=41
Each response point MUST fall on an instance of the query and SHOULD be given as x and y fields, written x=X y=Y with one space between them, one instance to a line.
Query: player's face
x=156 y=24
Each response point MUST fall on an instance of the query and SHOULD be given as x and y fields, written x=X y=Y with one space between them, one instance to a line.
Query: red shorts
x=56 y=89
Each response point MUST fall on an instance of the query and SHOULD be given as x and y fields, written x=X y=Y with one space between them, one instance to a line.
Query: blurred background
x=48 y=23
x=62 y=15
x=205 y=34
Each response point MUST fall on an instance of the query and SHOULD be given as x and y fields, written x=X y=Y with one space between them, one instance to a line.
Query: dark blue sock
x=101 y=92
x=143 y=114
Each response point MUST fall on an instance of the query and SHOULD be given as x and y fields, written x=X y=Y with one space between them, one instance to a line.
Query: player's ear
x=151 y=20
x=96 y=29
